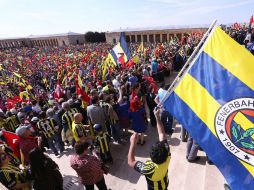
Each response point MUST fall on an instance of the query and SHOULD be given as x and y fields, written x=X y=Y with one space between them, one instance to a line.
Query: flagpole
x=188 y=63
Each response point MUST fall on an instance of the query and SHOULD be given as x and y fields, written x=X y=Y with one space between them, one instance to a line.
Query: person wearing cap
x=26 y=142
x=79 y=130
x=21 y=116
x=48 y=127
x=35 y=107
x=67 y=119
x=33 y=123
x=102 y=140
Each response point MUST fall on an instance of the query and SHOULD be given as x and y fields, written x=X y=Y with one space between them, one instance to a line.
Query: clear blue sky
x=21 y=18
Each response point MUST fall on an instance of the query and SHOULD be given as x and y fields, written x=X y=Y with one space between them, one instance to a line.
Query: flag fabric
x=80 y=91
x=141 y=48
x=12 y=102
x=121 y=50
x=136 y=59
x=118 y=53
x=17 y=75
x=12 y=141
x=151 y=82
x=121 y=59
x=251 y=21
x=130 y=64
x=124 y=45
x=110 y=60
x=214 y=101
x=250 y=46
x=104 y=70
x=58 y=93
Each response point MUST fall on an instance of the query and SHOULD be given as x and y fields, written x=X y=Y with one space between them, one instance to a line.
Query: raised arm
x=120 y=99
x=131 y=154
x=160 y=127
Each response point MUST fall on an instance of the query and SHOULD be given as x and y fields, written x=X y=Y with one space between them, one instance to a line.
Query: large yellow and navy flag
x=214 y=101
x=120 y=50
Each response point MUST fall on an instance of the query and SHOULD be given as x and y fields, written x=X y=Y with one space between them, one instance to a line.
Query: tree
x=94 y=37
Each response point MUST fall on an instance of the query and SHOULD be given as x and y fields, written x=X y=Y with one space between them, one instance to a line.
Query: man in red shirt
x=88 y=167
x=26 y=142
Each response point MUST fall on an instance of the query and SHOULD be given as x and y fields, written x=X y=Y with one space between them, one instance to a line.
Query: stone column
x=161 y=38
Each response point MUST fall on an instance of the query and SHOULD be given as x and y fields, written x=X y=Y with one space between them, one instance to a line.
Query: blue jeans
x=192 y=149
x=58 y=141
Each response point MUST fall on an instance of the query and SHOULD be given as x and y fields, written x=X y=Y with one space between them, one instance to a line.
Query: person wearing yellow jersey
x=67 y=119
x=102 y=140
x=4 y=148
x=3 y=124
x=12 y=121
x=155 y=169
x=79 y=130
x=24 y=95
x=48 y=127
x=12 y=176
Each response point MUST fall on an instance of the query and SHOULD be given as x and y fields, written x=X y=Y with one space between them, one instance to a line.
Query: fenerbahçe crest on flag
x=214 y=101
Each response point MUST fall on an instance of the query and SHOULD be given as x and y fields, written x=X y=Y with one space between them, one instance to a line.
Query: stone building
x=70 y=38
x=159 y=34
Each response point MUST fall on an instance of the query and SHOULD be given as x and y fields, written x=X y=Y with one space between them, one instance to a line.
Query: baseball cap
x=21 y=130
x=35 y=119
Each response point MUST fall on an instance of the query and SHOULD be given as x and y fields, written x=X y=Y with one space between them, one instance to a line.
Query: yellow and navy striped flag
x=214 y=101
x=121 y=48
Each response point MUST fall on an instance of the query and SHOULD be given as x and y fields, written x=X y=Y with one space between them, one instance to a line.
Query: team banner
x=214 y=101
x=121 y=51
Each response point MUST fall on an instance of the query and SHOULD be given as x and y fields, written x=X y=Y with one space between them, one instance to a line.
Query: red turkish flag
x=13 y=142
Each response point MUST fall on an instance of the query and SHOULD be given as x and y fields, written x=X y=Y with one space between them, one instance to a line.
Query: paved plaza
x=182 y=174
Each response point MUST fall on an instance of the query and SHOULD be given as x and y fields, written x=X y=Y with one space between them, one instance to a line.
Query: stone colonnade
x=28 y=43
x=11 y=43
x=164 y=37
x=44 y=43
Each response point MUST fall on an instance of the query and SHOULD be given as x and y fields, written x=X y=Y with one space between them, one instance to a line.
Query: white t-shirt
x=161 y=94
x=116 y=83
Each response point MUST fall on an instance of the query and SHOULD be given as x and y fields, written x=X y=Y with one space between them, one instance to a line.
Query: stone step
x=214 y=180
x=191 y=176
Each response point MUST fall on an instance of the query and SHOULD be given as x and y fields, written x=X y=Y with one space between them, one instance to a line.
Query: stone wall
x=74 y=39
x=151 y=35
x=43 y=41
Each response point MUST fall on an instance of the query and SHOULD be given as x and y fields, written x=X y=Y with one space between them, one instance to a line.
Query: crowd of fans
x=56 y=97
